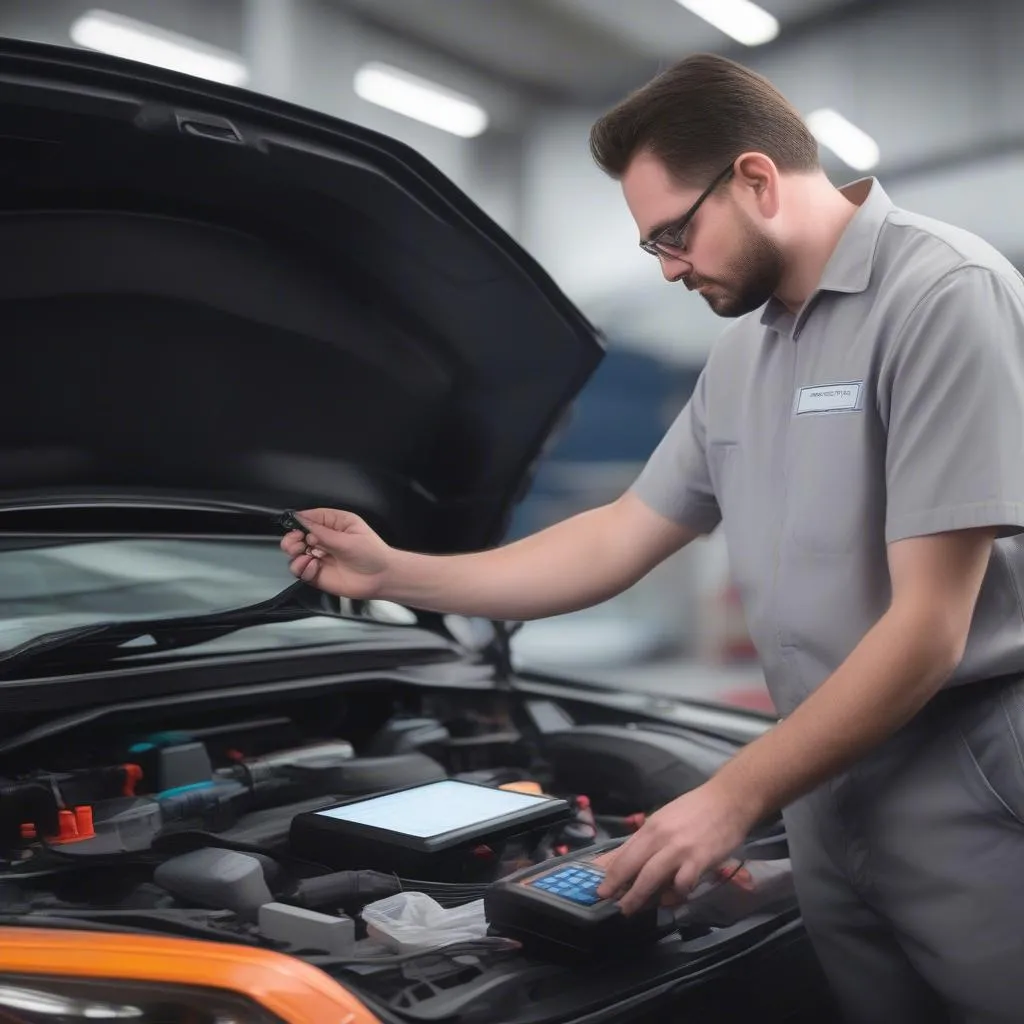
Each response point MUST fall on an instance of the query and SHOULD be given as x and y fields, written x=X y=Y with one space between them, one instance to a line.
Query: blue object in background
x=624 y=411
x=619 y=418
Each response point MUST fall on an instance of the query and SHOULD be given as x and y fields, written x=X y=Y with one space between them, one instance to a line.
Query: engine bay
x=180 y=822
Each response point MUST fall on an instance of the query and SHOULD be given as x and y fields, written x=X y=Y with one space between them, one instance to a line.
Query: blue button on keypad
x=578 y=884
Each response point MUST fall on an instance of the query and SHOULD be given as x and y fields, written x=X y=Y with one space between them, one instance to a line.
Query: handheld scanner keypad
x=553 y=909
x=575 y=882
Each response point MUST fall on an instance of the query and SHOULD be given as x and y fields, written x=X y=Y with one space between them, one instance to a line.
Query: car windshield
x=47 y=586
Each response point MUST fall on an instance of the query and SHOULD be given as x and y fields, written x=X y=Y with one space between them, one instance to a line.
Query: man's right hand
x=339 y=553
x=571 y=565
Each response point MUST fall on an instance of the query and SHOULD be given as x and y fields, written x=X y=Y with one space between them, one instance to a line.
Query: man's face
x=722 y=253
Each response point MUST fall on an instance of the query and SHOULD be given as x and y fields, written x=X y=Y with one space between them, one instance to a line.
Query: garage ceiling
x=582 y=51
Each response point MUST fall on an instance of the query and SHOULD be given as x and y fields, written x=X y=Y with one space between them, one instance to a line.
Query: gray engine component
x=219 y=879
x=308 y=929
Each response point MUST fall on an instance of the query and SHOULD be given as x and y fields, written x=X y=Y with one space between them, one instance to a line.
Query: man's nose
x=674 y=268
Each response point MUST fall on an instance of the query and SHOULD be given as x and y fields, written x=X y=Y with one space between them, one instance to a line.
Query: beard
x=752 y=277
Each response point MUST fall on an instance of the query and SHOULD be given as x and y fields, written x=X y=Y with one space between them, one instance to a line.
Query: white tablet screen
x=435 y=809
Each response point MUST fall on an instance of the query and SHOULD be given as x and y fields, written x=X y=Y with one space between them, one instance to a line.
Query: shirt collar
x=849 y=267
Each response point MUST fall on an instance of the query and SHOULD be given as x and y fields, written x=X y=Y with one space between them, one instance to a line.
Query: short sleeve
x=675 y=481
x=955 y=444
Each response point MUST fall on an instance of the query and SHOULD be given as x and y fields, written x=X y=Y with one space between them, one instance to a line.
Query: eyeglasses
x=669 y=242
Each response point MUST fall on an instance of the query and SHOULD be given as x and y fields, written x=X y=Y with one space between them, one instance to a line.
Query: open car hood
x=213 y=298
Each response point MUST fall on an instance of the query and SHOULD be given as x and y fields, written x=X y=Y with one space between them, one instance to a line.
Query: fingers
x=668 y=898
x=642 y=868
x=685 y=881
x=624 y=866
x=603 y=860
x=297 y=543
x=328 y=518
x=305 y=567
x=654 y=876
x=294 y=543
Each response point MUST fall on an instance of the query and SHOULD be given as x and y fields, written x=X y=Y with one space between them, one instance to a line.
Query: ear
x=757 y=179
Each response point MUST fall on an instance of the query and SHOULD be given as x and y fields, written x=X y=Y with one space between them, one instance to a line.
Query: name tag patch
x=842 y=397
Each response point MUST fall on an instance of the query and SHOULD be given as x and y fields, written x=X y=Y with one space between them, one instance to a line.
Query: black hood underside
x=214 y=297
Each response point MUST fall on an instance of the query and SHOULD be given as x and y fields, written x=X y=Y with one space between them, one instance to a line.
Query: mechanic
x=859 y=434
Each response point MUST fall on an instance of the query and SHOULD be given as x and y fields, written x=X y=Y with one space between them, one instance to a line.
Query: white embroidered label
x=829 y=397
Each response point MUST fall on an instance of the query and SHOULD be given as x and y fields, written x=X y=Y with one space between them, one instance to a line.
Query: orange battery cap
x=522 y=787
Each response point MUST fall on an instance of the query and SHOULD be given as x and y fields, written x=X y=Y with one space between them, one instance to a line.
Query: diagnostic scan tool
x=553 y=908
x=437 y=830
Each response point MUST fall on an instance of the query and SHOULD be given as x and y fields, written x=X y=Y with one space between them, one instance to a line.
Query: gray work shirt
x=892 y=406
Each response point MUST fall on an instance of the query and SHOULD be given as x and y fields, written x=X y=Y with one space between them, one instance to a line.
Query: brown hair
x=697 y=116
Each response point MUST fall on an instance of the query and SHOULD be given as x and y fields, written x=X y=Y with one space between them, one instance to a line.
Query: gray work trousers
x=910 y=867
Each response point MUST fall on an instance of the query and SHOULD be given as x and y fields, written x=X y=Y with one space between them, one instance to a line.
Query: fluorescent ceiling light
x=417 y=98
x=135 y=40
x=846 y=140
x=744 y=21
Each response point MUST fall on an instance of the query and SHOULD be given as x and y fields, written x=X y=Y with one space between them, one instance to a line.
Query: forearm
x=884 y=682
x=572 y=565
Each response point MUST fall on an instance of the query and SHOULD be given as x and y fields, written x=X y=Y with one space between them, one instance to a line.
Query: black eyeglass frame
x=677 y=228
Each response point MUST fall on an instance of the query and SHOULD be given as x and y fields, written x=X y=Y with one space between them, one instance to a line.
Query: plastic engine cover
x=630 y=768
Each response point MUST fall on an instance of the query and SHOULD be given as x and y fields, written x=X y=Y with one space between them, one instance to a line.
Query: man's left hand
x=675 y=847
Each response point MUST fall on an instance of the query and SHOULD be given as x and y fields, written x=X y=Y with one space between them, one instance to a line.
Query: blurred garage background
x=500 y=95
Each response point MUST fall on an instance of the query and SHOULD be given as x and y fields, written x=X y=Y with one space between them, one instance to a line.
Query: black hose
x=23 y=802
x=344 y=889
x=470 y=947
x=357 y=888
